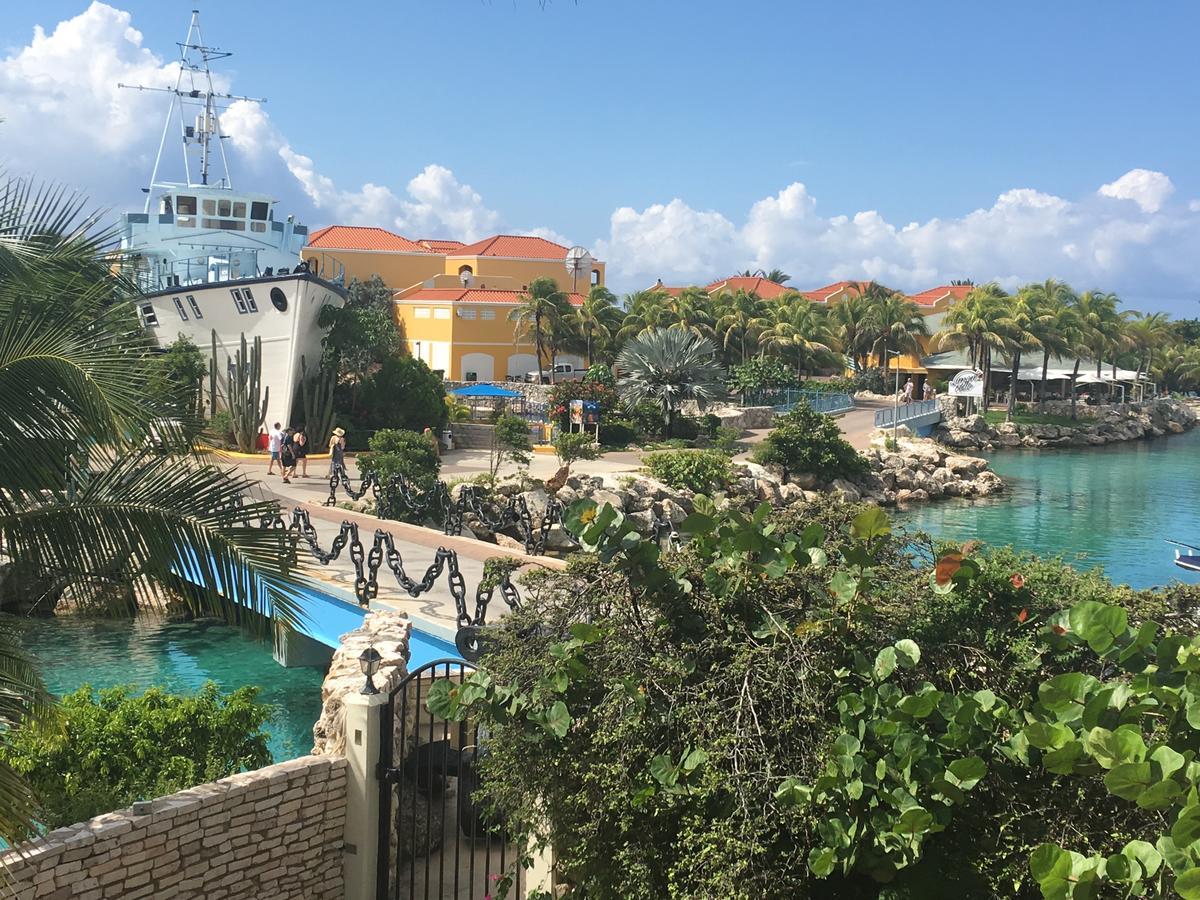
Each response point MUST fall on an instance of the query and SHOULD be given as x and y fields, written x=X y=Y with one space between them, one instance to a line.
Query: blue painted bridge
x=920 y=416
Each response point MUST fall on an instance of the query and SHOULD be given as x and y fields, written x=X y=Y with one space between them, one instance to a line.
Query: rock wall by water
x=1102 y=425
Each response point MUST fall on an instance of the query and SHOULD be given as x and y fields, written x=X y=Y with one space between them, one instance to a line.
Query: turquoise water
x=148 y=652
x=1109 y=506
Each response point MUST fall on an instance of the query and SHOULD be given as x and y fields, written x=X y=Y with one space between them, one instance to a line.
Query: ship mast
x=198 y=90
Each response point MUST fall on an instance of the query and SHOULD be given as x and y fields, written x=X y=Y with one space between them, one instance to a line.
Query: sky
x=911 y=143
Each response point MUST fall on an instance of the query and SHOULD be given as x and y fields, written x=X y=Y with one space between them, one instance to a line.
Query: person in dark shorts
x=287 y=456
x=300 y=452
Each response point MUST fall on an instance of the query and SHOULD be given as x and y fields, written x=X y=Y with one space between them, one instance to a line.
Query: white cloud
x=1138 y=249
x=1147 y=189
x=1194 y=206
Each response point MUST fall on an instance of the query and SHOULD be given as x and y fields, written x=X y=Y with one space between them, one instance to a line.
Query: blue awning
x=484 y=390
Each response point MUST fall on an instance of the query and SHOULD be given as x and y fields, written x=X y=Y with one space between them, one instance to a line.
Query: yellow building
x=453 y=300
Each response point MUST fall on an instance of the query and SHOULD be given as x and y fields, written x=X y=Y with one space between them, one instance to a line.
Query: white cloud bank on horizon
x=65 y=118
x=1126 y=238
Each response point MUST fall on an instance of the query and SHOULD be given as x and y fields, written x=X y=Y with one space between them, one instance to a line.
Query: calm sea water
x=1111 y=506
x=147 y=652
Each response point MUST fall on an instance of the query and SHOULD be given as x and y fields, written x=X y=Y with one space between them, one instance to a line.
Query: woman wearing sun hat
x=337 y=450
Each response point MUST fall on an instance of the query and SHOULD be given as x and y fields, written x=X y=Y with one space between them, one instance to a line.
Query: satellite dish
x=578 y=260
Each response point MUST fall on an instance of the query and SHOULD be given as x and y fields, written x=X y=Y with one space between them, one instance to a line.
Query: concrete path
x=858 y=424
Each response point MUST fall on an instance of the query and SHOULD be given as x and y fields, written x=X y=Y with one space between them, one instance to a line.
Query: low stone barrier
x=274 y=832
x=1095 y=427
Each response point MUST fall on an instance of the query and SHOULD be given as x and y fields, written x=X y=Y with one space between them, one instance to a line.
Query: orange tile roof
x=358 y=237
x=822 y=295
x=514 y=246
x=763 y=288
x=933 y=295
x=669 y=290
x=473 y=295
x=440 y=246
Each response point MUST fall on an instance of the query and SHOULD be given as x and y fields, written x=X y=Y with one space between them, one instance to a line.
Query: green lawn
x=1024 y=417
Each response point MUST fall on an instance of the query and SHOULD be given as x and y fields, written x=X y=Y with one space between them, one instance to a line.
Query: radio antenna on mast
x=196 y=91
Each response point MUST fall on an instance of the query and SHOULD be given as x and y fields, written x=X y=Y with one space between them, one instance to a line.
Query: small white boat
x=208 y=257
x=1189 y=561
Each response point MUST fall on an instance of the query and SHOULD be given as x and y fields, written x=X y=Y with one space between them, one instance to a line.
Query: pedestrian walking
x=929 y=391
x=287 y=456
x=337 y=451
x=300 y=451
x=274 y=445
x=908 y=391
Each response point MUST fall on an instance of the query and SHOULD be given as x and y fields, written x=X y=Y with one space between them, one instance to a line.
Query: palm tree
x=740 y=319
x=692 y=308
x=645 y=311
x=1018 y=328
x=667 y=366
x=97 y=485
x=896 y=323
x=974 y=324
x=778 y=276
x=851 y=321
x=1148 y=332
x=1052 y=323
x=539 y=312
x=1098 y=318
x=596 y=318
x=802 y=329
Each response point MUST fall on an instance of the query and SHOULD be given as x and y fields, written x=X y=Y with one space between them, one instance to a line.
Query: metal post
x=896 y=405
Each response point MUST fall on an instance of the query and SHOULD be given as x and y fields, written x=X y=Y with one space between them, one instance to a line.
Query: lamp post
x=896 y=404
x=369 y=661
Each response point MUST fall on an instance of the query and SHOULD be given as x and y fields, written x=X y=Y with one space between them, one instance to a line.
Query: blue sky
x=558 y=118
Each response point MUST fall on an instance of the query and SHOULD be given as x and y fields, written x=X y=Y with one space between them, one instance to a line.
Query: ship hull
x=282 y=310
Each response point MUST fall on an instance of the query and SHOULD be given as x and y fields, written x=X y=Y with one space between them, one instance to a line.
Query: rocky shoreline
x=1096 y=426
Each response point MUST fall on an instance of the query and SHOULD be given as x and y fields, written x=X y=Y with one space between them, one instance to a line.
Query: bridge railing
x=785 y=399
x=905 y=412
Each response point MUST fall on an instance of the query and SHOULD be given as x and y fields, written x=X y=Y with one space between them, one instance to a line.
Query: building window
x=238 y=301
x=595 y=277
x=470 y=376
x=487 y=314
x=149 y=317
x=441 y=312
x=466 y=313
x=250 y=304
x=421 y=312
x=195 y=307
x=179 y=306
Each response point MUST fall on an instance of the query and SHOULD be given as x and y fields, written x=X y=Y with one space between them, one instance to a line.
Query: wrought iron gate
x=435 y=842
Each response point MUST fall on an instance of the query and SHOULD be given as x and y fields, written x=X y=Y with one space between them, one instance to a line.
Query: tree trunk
x=537 y=346
x=1045 y=366
x=1012 y=386
x=1074 y=380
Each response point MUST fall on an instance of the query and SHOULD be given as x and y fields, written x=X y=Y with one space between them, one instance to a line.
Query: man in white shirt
x=274 y=444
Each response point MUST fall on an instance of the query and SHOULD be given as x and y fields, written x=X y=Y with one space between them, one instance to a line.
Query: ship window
x=232 y=224
x=279 y=299
x=185 y=206
x=258 y=226
x=238 y=301
x=209 y=207
x=195 y=307
x=441 y=312
x=258 y=210
x=224 y=208
x=185 y=221
x=239 y=209
x=165 y=208
x=179 y=306
x=250 y=304
x=148 y=315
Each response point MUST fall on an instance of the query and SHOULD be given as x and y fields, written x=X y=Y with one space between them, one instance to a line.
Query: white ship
x=210 y=257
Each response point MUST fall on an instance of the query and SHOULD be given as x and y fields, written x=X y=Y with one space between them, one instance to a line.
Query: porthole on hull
x=279 y=299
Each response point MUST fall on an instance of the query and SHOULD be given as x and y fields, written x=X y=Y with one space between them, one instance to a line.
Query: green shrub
x=617 y=432
x=573 y=446
x=761 y=373
x=393 y=452
x=600 y=375
x=873 y=380
x=647 y=419
x=510 y=442
x=700 y=470
x=402 y=393
x=726 y=439
x=809 y=441
x=118 y=747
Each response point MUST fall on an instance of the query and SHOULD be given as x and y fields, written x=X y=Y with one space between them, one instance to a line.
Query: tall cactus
x=245 y=388
x=316 y=394
x=241 y=390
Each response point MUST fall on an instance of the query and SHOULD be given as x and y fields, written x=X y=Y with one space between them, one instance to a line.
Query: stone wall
x=1104 y=425
x=271 y=833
